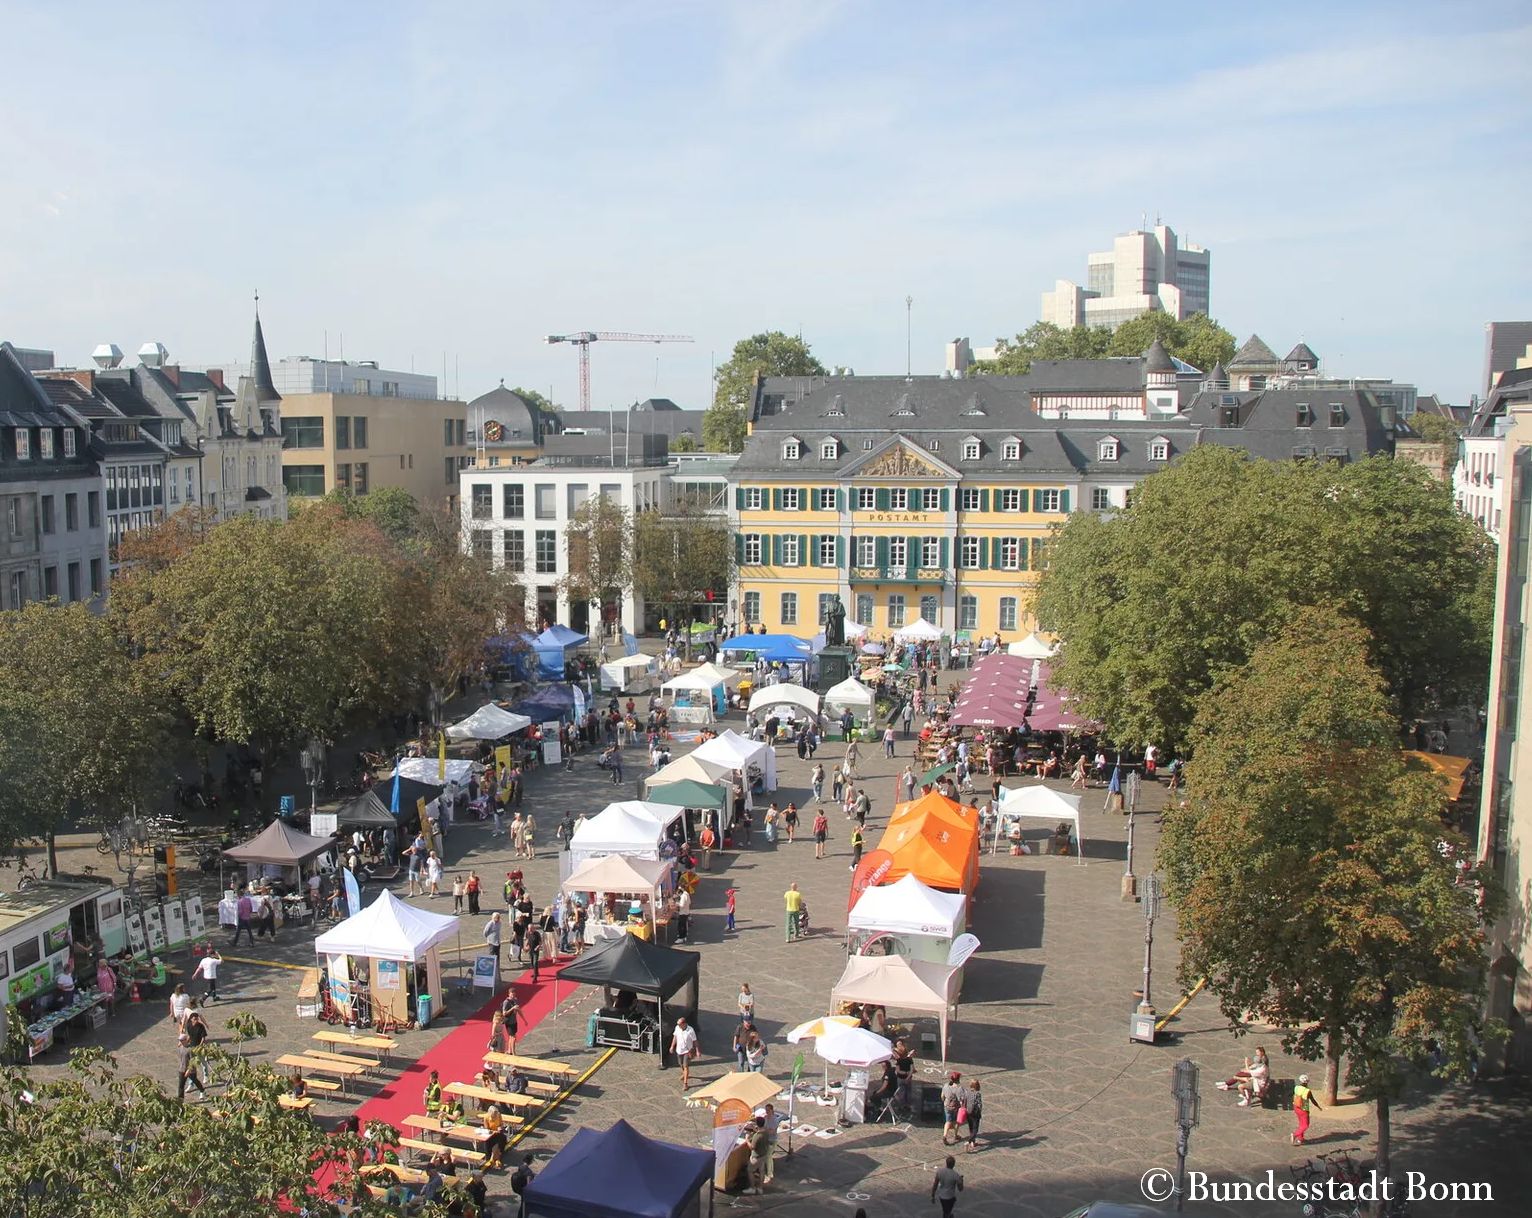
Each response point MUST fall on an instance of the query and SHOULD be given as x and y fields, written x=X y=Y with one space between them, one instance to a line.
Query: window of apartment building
x=866 y=498
x=50 y=582
x=483 y=543
x=482 y=500
x=791 y=450
x=1009 y=499
x=23 y=444
x=1011 y=450
x=303 y=480
x=173 y=488
x=72 y=576
x=513 y=501
x=898 y=552
x=752 y=499
x=864 y=608
x=70 y=442
x=824 y=499
x=110 y=476
x=513 y=544
x=191 y=488
x=447 y=433
x=1305 y=415
x=752 y=608
x=968 y=613
x=462 y=432
x=930 y=608
x=1049 y=501
x=865 y=550
x=545 y=501
x=18 y=590
x=1007 y=613
x=1337 y=415
x=971 y=450
x=829 y=450
x=930 y=553
x=72 y=511
x=547 y=552
x=791 y=554
x=95 y=577
x=359 y=432
x=45 y=444
x=343 y=476
x=1159 y=450
x=790 y=501
x=1008 y=553
x=896 y=609
x=359 y=478
x=751 y=552
x=1127 y=498
x=46 y=503
x=968 y=553
x=1039 y=554
x=968 y=499
x=303 y=432
x=789 y=608
x=898 y=499
x=1100 y=498
x=451 y=468
x=342 y=431
x=827 y=550
x=824 y=606
x=1108 y=449
x=575 y=494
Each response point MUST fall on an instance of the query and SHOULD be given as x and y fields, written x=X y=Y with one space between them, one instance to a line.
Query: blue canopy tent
x=619 y=1173
x=773 y=648
x=552 y=647
x=549 y=703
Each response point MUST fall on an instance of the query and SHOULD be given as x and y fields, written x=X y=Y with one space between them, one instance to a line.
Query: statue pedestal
x=834 y=666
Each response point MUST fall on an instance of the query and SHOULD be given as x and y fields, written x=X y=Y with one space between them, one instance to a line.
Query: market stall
x=706 y=798
x=730 y=751
x=613 y=875
x=907 y=918
x=903 y=985
x=695 y=698
x=278 y=852
x=1037 y=802
x=554 y=648
x=646 y=989
x=1032 y=648
x=375 y=806
x=936 y=840
x=428 y=770
x=785 y=694
x=631 y=674
x=619 y=1173
x=625 y=828
x=918 y=631
x=850 y=695
x=386 y=956
x=489 y=722
x=768 y=649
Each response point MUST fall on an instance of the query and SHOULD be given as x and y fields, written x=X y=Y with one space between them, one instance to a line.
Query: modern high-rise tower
x=1145 y=271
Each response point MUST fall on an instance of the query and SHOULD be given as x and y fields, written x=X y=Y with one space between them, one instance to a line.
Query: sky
x=430 y=185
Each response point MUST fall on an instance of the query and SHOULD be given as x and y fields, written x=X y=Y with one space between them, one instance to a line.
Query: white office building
x=1145 y=271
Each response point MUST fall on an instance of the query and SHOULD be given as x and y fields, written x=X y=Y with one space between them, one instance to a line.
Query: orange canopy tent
x=936 y=840
x=1452 y=770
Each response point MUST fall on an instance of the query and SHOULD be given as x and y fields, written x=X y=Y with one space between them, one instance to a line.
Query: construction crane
x=583 y=339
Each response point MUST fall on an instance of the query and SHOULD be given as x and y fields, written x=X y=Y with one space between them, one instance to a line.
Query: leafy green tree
x=1218 y=552
x=536 y=399
x=1310 y=889
x=97 y=1143
x=91 y=726
x=1198 y=340
x=773 y=353
x=1439 y=429
x=600 y=540
x=1202 y=342
x=681 y=555
x=392 y=508
x=683 y=444
x=1044 y=340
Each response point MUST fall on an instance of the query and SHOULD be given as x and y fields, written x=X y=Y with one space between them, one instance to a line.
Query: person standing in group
x=708 y=840
x=755 y=1136
x=496 y=1034
x=730 y=903
x=510 y=1017
x=946 y=1185
x=907 y=717
x=434 y=873
x=792 y=901
x=817 y=782
x=518 y=835
x=742 y=1033
x=684 y=916
x=821 y=831
x=471 y=889
x=858 y=840
x=565 y=831
x=683 y=1043
x=188 y=1071
x=907 y=783
x=534 y=938
x=746 y=1002
x=837 y=785
x=492 y=936
x=459 y=890
x=952 y=1100
x=773 y=1120
x=1303 y=1100
x=973 y=1103
x=529 y=836
x=207 y=969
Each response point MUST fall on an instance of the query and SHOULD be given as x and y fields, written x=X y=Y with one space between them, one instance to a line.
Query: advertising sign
x=485 y=973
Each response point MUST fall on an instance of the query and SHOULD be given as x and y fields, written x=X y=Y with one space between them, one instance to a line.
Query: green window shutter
x=840 y=501
x=776 y=499
x=880 y=551
x=946 y=499
x=912 y=554
x=739 y=498
x=840 y=551
x=803 y=550
x=1025 y=499
x=916 y=494
x=804 y=502
x=984 y=500
x=776 y=550
x=739 y=547
x=880 y=498
x=1022 y=547
x=945 y=552
x=1064 y=501
x=984 y=553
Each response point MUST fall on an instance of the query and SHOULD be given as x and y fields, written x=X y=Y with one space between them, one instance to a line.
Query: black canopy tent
x=372 y=807
x=634 y=966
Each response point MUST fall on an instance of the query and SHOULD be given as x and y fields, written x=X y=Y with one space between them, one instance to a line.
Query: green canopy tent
x=689 y=793
x=936 y=772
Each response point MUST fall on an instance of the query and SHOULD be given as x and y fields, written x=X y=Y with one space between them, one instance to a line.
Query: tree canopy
x=1198 y=340
x=1218 y=552
x=600 y=540
x=1440 y=430
x=392 y=508
x=772 y=353
x=543 y=404
x=1306 y=869
x=681 y=555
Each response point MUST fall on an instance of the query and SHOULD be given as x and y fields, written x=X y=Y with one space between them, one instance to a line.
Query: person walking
x=1303 y=1099
x=907 y=783
x=858 y=840
x=534 y=939
x=492 y=935
x=207 y=969
x=973 y=1101
x=837 y=785
x=244 y=915
x=907 y=717
x=946 y=1184
x=518 y=835
x=742 y=1033
x=529 y=837
x=471 y=889
x=459 y=890
x=730 y=902
x=188 y=1071
x=510 y=1016
x=853 y=756
x=888 y=741
x=817 y=782
x=821 y=831
x=952 y=1100
x=683 y=1043
x=434 y=873
x=746 y=1003
x=180 y=1004
x=792 y=901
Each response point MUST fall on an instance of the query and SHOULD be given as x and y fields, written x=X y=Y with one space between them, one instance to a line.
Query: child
x=459 y=890
x=729 y=901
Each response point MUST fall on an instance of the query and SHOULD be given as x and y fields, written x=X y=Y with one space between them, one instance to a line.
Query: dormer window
x=1159 y=449
x=837 y=408
x=791 y=450
x=867 y=445
x=1107 y=449
x=905 y=408
x=934 y=446
x=1305 y=415
x=23 y=444
x=829 y=450
x=45 y=444
x=1337 y=415
x=69 y=442
x=1012 y=450
x=972 y=448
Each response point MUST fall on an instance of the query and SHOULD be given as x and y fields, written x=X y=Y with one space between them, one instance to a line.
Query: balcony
x=898 y=575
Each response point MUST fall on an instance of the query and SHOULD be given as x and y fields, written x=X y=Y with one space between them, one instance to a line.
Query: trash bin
x=423 y=1010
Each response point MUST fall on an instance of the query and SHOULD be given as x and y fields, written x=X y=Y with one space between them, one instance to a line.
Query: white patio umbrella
x=815 y=1028
x=840 y=1039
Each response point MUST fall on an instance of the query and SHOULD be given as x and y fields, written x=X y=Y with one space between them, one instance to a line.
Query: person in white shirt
x=180 y=1004
x=683 y=1043
x=683 y=916
x=207 y=969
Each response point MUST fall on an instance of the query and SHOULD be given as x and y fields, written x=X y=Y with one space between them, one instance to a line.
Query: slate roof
x=656 y=404
x=1302 y=352
x=1266 y=424
x=1157 y=359
x=1254 y=352
x=512 y=411
x=127 y=399
x=64 y=391
x=260 y=367
x=23 y=403
x=1120 y=372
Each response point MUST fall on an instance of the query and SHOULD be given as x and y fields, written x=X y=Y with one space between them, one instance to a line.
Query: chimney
x=172 y=374
x=216 y=376
x=84 y=377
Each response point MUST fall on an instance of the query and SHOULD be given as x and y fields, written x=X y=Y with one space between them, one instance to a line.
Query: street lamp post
x=1129 y=881
x=909 y=304
x=1183 y=1085
x=1151 y=912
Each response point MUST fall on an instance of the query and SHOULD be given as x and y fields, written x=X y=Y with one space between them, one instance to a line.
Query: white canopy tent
x=689 y=682
x=730 y=751
x=394 y=938
x=730 y=677
x=616 y=830
x=635 y=672
x=1031 y=648
x=1038 y=802
x=489 y=722
x=850 y=695
x=918 y=631
x=615 y=873
x=661 y=814
x=681 y=769
x=909 y=907
x=906 y=985
x=805 y=700
x=425 y=769
x=854 y=630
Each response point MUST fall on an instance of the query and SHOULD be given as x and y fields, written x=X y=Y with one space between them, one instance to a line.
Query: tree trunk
x=1332 y=1067
x=53 y=853
x=1384 y=1149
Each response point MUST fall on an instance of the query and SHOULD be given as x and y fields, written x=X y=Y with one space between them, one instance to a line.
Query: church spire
x=260 y=365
